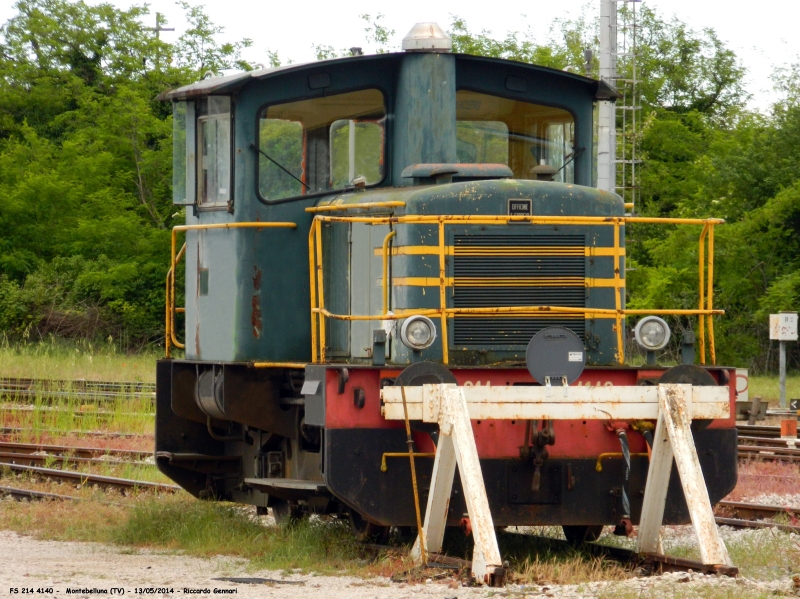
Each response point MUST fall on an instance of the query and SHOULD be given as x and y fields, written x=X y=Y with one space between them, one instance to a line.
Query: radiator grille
x=516 y=270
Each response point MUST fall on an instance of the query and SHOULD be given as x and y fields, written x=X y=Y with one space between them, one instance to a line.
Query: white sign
x=783 y=326
x=576 y=356
x=742 y=383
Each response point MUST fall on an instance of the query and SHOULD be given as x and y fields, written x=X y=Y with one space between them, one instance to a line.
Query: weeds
x=58 y=359
x=205 y=528
x=767 y=388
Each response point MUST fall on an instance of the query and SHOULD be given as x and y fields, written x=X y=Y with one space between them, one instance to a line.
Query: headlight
x=651 y=333
x=418 y=332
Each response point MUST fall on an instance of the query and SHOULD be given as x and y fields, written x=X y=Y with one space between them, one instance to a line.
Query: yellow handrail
x=385 y=280
x=170 y=304
x=704 y=312
x=171 y=310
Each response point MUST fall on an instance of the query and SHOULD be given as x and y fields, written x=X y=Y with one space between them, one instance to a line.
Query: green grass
x=53 y=416
x=768 y=388
x=206 y=528
x=76 y=360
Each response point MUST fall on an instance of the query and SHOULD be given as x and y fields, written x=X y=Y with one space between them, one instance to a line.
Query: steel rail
x=61 y=461
x=30 y=494
x=763 y=431
x=752 y=511
x=15 y=407
x=76 y=384
x=17 y=394
x=68 y=450
x=73 y=433
x=105 y=482
x=767 y=441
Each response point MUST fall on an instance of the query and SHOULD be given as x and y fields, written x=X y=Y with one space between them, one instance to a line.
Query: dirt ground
x=31 y=564
x=64 y=568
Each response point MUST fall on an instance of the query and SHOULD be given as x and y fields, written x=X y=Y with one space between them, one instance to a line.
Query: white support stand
x=673 y=437
x=453 y=407
x=457 y=446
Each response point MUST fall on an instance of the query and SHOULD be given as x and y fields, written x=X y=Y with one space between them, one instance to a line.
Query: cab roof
x=230 y=84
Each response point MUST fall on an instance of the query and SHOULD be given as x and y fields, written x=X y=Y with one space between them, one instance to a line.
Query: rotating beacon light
x=418 y=332
x=652 y=334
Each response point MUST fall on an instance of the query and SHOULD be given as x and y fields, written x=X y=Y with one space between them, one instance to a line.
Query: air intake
x=516 y=270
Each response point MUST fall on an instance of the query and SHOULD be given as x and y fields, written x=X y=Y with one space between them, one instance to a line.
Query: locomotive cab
x=397 y=219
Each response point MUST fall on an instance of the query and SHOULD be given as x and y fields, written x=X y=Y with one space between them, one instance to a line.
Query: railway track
x=765 y=443
x=99 y=414
x=36 y=454
x=752 y=515
x=760 y=431
x=92 y=480
x=49 y=389
x=9 y=430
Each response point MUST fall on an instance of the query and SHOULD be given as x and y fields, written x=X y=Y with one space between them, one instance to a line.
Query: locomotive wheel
x=367 y=532
x=285 y=514
x=578 y=534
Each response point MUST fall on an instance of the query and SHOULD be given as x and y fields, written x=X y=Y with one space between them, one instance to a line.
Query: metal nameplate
x=520 y=207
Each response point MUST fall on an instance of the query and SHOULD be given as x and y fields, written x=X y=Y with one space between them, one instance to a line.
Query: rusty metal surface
x=753 y=511
x=758 y=452
x=655 y=563
x=738 y=523
x=563 y=403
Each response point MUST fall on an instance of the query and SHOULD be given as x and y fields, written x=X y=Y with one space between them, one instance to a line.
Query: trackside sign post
x=783 y=328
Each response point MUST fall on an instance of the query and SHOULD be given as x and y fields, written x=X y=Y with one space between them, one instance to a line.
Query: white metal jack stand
x=453 y=407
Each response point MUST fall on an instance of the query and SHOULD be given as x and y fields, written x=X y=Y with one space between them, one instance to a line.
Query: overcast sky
x=762 y=35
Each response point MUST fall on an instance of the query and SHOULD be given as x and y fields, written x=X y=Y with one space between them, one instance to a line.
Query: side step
x=288 y=488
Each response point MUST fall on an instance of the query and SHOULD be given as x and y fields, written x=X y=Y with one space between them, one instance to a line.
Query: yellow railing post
x=442 y=290
x=617 y=298
x=320 y=291
x=385 y=279
x=312 y=262
x=710 y=294
x=701 y=260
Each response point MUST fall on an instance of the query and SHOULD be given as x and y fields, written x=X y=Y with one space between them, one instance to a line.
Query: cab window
x=491 y=129
x=214 y=151
x=321 y=144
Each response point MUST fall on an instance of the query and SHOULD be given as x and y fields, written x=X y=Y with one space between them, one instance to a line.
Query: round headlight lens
x=652 y=333
x=418 y=332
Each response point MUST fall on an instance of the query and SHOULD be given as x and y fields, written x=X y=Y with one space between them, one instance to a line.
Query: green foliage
x=85 y=155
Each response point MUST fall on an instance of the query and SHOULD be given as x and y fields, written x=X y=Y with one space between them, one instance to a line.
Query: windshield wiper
x=571 y=157
x=278 y=164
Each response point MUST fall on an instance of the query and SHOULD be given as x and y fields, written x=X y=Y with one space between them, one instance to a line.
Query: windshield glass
x=521 y=135
x=321 y=144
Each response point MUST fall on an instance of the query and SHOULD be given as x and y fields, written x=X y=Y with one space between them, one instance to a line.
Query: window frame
x=518 y=98
x=189 y=151
x=215 y=207
x=327 y=93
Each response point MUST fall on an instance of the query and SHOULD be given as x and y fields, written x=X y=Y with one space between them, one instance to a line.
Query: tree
x=85 y=164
